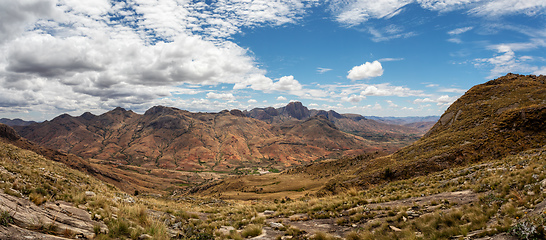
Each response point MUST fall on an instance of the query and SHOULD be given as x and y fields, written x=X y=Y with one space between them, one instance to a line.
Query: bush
x=5 y=218
x=530 y=228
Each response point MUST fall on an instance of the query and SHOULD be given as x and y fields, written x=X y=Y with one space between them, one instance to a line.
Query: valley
x=478 y=173
x=168 y=149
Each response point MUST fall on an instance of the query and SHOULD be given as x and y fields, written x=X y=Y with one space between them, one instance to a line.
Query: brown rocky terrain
x=169 y=138
x=127 y=178
x=492 y=120
x=399 y=133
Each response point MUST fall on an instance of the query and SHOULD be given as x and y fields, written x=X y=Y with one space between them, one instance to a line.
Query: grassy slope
x=492 y=120
x=510 y=192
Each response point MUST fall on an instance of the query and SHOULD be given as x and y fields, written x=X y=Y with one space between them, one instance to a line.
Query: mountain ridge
x=170 y=138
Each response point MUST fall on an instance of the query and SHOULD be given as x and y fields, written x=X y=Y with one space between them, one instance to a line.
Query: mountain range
x=170 y=138
x=492 y=120
x=479 y=172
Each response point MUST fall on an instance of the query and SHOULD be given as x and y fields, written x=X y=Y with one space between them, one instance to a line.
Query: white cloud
x=388 y=33
x=391 y=104
x=353 y=98
x=444 y=100
x=366 y=71
x=510 y=7
x=458 y=31
x=252 y=101
x=388 y=90
x=15 y=16
x=287 y=83
x=452 y=90
x=507 y=60
x=455 y=40
x=540 y=71
x=281 y=98
x=221 y=96
x=355 y=12
x=423 y=100
x=390 y=59
x=96 y=50
x=323 y=70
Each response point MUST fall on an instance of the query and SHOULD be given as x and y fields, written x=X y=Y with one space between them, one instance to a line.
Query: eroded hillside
x=169 y=138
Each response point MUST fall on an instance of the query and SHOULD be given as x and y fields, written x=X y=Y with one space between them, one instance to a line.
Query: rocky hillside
x=126 y=178
x=169 y=138
x=492 y=120
x=399 y=132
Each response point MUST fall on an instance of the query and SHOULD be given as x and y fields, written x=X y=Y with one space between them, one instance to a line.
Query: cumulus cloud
x=353 y=98
x=444 y=100
x=287 y=83
x=281 y=98
x=221 y=96
x=391 y=104
x=506 y=60
x=15 y=16
x=116 y=53
x=262 y=83
x=366 y=71
x=252 y=101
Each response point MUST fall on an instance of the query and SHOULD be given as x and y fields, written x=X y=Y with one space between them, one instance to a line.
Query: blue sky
x=382 y=58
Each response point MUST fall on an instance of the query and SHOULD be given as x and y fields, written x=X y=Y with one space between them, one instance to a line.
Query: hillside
x=169 y=138
x=496 y=192
x=492 y=120
x=502 y=199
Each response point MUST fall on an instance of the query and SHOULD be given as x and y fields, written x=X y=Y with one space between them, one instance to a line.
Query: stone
x=269 y=212
x=276 y=225
x=226 y=230
x=395 y=229
x=144 y=236
x=90 y=194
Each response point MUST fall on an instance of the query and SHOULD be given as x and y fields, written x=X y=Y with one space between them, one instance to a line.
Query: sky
x=380 y=58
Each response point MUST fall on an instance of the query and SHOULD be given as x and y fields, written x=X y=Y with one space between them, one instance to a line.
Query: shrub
x=5 y=218
x=532 y=228
x=252 y=230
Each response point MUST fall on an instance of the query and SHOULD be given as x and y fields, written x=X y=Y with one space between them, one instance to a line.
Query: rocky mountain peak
x=296 y=110
x=160 y=110
x=87 y=116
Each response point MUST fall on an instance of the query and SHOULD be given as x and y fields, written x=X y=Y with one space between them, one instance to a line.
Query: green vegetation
x=5 y=218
